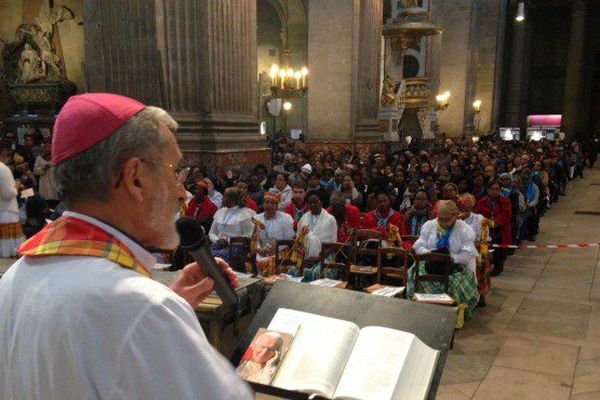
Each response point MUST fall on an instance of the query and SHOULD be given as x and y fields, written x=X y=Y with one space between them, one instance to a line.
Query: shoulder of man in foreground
x=110 y=327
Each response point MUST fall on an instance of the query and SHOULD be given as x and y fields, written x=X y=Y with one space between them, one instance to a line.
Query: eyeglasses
x=181 y=173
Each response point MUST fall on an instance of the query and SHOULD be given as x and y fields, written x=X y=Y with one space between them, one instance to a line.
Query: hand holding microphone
x=196 y=281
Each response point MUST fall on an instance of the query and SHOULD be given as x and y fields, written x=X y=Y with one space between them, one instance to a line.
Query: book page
x=373 y=369
x=432 y=297
x=317 y=357
x=417 y=373
x=389 y=291
x=264 y=355
x=288 y=321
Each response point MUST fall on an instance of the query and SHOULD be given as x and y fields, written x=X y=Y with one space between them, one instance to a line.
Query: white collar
x=140 y=253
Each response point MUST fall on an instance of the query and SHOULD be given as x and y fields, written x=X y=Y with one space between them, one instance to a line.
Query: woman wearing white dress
x=446 y=234
x=277 y=226
x=11 y=229
x=233 y=220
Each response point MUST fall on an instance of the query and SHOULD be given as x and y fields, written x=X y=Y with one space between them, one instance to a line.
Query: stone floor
x=539 y=336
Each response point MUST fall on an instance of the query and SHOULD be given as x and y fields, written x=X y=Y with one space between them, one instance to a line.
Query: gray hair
x=87 y=176
x=278 y=339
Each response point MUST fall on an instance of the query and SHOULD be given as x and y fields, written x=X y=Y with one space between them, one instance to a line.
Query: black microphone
x=195 y=241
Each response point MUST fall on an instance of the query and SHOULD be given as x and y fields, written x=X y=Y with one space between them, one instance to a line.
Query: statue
x=30 y=65
x=34 y=71
x=409 y=3
x=37 y=37
x=388 y=97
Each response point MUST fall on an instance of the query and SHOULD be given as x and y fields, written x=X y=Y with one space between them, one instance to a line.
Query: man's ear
x=133 y=181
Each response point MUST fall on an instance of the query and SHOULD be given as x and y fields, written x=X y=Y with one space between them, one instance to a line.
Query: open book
x=338 y=360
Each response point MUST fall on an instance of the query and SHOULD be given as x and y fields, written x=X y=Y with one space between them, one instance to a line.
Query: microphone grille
x=190 y=231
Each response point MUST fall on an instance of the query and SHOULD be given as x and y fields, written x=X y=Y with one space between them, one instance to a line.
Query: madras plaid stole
x=69 y=236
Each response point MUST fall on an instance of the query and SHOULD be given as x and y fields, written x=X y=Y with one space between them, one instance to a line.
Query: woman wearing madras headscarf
x=272 y=225
x=481 y=266
x=446 y=234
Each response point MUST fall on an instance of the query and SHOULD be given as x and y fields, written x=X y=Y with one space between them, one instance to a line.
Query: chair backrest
x=239 y=252
x=282 y=261
x=399 y=270
x=409 y=238
x=373 y=236
x=438 y=258
x=336 y=256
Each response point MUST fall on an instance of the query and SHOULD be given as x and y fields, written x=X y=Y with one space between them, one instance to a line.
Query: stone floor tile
x=586 y=384
x=538 y=356
x=572 y=292
x=460 y=391
x=586 y=396
x=551 y=318
x=467 y=366
x=515 y=282
x=511 y=384
x=469 y=339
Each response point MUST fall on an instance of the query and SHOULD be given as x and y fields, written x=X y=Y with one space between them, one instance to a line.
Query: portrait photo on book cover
x=264 y=355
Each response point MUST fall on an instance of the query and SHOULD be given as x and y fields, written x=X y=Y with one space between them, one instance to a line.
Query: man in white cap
x=80 y=317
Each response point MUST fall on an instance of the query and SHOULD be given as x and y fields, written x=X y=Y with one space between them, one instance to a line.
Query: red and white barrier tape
x=546 y=246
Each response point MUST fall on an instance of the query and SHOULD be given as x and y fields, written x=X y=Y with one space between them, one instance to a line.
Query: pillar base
x=363 y=148
x=217 y=162
x=217 y=142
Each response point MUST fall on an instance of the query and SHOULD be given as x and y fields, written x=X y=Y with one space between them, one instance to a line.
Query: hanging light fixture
x=520 y=12
x=287 y=83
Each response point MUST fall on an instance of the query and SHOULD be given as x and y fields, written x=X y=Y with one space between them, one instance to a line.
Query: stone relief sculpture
x=37 y=38
x=409 y=3
x=388 y=97
x=34 y=71
x=30 y=65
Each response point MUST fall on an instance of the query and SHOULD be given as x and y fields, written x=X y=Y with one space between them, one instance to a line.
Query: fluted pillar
x=369 y=62
x=197 y=59
x=120 y=49
x=573 y=97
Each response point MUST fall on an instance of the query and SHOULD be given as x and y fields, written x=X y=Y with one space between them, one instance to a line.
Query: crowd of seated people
x=459 y=199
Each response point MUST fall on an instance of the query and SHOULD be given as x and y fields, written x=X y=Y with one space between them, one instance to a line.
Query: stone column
x=515 y=80
x=342 y=84
x=575 y=71
x=331 y=61
x=499 y=62
x=120 y=49
x=472 y=61
x=369 y=53
x=205 y=75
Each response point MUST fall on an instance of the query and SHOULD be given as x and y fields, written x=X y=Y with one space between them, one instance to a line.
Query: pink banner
x=545 y=119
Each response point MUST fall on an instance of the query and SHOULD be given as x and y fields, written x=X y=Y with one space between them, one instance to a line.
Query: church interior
x=453 y=97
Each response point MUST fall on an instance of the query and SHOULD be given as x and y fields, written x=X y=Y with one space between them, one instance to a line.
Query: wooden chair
x=409 y=238
x=389 y=275
x=282 y=262
x=239 y=254
x=444 y=279
x=337 y=249
x=360 y=275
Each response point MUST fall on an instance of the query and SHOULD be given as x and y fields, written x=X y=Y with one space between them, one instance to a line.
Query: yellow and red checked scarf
x=68 y=236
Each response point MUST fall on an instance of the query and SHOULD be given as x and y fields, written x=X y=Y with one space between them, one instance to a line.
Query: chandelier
x=287 y=83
